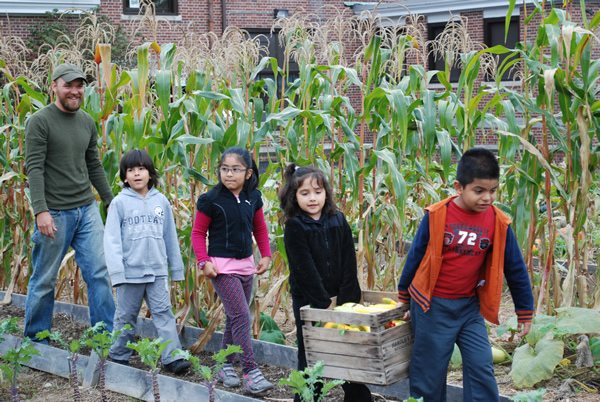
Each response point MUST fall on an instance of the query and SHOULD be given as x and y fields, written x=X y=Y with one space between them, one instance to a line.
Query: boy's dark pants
x=353 y=392
x=447 y=322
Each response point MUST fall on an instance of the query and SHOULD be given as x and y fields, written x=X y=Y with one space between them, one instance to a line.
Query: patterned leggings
x=234 y=291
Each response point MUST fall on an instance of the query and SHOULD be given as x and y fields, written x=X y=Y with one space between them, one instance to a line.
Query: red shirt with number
x=467 y=238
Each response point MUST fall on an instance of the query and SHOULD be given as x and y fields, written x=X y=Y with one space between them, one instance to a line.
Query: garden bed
x=276 y=361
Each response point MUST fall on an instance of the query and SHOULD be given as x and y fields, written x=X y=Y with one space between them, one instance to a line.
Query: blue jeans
x=82 y=229
x=447 y=322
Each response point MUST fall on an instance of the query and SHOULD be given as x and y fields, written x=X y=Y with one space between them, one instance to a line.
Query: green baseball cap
x=68 y=72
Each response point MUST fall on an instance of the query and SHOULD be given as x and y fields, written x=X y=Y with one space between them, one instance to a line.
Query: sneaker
x=228 y=376
x=122 y=362
x=256 y=382
x=177 y=366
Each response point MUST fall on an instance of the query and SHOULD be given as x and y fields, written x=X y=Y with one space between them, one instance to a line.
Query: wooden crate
x=379 y=357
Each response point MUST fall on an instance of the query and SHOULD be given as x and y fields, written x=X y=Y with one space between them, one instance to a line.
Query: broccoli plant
x=100 y=340
x=73 y=348
x=150 y=352
x=304 y=383
x=209 y=375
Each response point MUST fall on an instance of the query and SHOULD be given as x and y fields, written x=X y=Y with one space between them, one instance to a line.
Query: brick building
x=484 y=21
x=485 y=18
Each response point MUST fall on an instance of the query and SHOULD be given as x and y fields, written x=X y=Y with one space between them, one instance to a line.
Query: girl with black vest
x=229 y=214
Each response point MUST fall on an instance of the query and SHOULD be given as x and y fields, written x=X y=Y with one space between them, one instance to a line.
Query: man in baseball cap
x=62 y=166
x=68 y=72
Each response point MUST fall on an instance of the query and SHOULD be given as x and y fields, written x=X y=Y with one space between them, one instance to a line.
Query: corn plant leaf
x=163 y=89
x=443 y=138
x=167 y=55
x=237 y=100
x=532 y=149
x=511 y=7
x=210 y=95
x=428 y=120
x=261 y=66
x=534 y=364
x=190 y=139
x=390 y=162
x=8 y=176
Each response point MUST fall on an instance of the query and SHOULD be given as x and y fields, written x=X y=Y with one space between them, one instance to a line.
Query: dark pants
x=353 y=392
x=447 y=322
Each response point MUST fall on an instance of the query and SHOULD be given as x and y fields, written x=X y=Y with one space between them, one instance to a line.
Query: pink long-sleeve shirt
x=224 y=265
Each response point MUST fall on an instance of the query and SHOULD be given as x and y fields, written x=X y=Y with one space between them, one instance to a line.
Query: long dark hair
x=245 y=159
x=294 y=176
x=135 y=158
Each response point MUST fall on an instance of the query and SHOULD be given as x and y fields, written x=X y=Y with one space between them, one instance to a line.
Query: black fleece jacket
x=230 y=230
x=322 y=260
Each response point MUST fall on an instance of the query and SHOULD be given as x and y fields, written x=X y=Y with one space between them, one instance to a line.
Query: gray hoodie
x=140 y=238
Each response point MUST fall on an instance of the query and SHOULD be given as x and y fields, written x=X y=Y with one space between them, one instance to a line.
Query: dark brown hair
x=135 y=158
x=294 y=176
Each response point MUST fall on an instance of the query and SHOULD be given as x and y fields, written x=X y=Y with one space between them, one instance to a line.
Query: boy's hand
x=263 y=265
x=525 y=327
x=406 y=316
x=209 y=270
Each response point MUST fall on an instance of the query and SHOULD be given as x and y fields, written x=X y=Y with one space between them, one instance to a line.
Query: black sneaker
x=177 y=366
x=122 y=362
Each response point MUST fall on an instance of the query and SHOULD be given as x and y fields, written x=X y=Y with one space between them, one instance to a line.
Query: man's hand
x=263 y=265
x=406 y=316
x=45 y=224
x=525 y=327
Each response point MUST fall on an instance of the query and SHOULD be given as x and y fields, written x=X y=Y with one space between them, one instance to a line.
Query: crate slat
x=390 y=376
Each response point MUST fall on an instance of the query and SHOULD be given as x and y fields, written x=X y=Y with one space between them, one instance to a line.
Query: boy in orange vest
x=453 y=274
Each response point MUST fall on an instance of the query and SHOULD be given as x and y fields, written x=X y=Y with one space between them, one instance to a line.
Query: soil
x=41 y=386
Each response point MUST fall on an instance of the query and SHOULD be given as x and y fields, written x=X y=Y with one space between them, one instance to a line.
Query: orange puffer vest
x=489 y=291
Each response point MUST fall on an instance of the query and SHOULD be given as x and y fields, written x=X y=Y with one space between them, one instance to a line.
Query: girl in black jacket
x=321 y=256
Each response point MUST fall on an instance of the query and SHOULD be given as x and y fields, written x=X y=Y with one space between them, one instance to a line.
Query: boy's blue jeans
x=447 y=322
x=82 y=229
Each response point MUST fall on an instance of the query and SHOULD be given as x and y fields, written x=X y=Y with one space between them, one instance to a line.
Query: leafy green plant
x=73 y=348
x=456 y=359
x=545 y=346
x=15 y=357
x=100 y=340
x=533 y=396
x=595 y=348
x=209 y=375
x=270 y=331
x=304 y=383
x=150 y=352
x=8 y=326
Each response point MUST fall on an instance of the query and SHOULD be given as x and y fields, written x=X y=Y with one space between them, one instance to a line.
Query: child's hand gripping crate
x=380 y=357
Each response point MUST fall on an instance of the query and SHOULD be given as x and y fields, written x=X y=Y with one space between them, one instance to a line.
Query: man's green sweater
x=62 y=160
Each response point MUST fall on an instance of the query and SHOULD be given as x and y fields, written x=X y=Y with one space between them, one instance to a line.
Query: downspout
x=223 y=15
x=211 y=20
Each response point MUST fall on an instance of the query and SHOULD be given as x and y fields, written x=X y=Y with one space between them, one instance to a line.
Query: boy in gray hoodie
x=141 y=244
